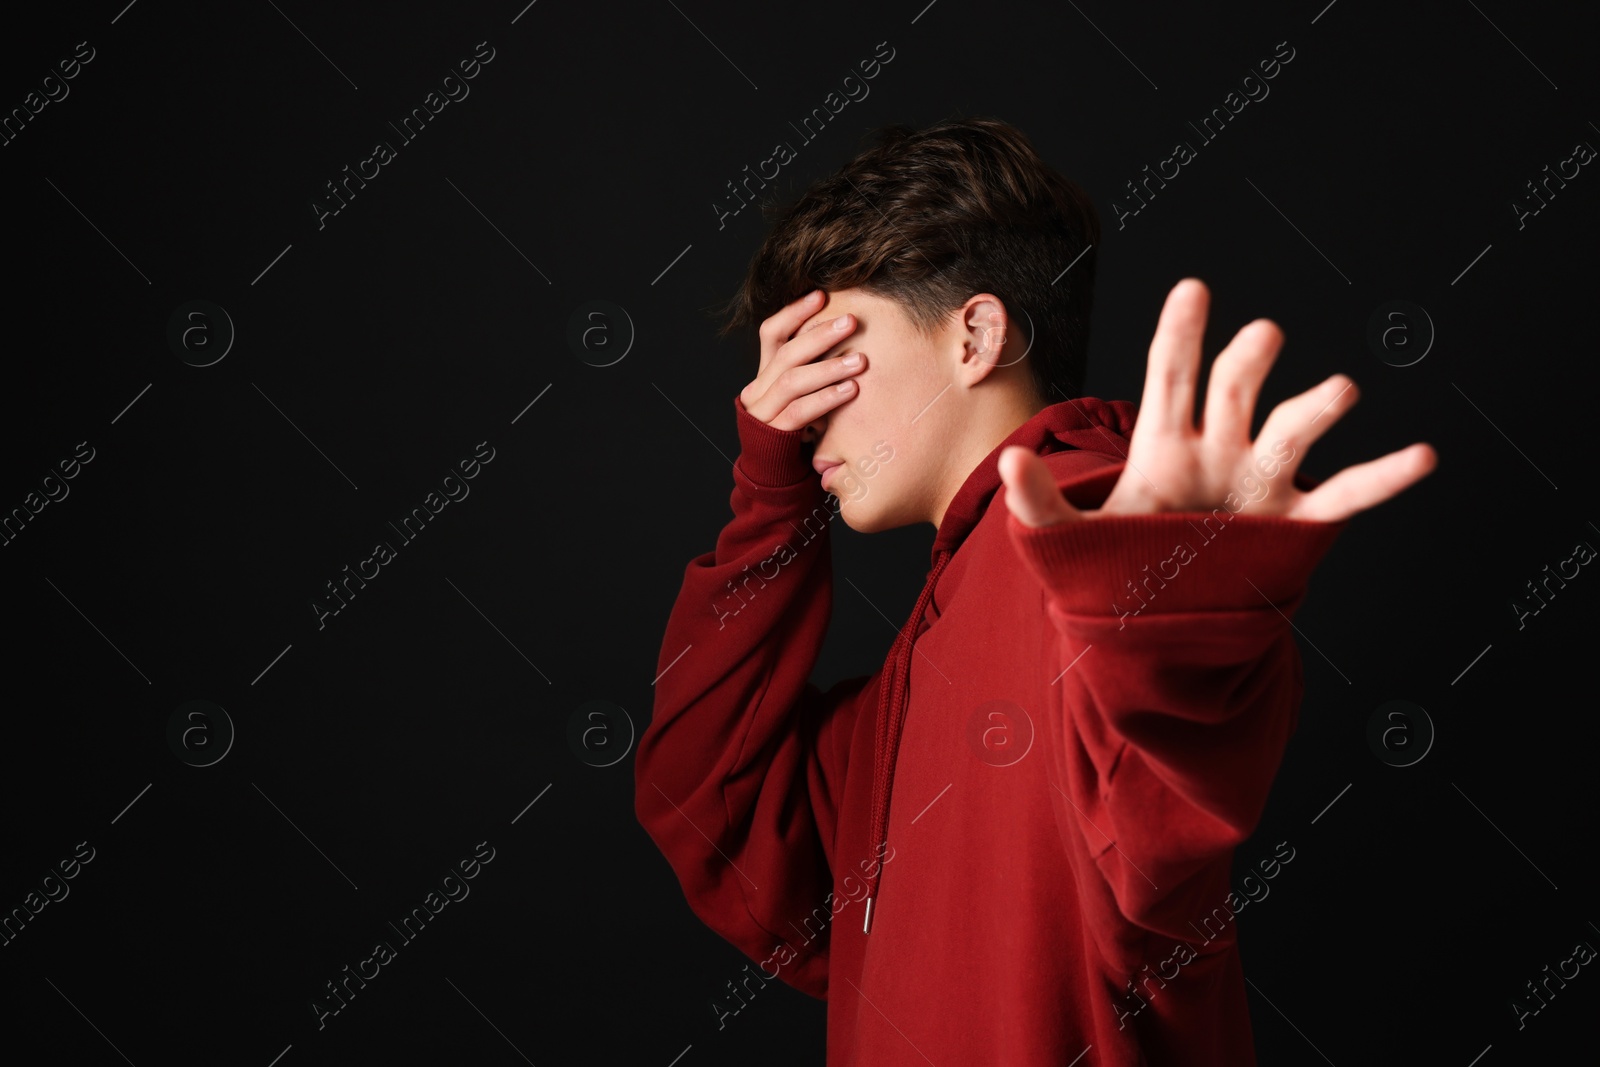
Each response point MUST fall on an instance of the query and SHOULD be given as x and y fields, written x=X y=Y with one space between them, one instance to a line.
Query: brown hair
x=930 y=217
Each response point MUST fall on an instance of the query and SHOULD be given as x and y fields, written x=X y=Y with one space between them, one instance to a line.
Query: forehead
x=858 y=302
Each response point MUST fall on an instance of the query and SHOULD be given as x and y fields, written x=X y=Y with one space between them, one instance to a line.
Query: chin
x=851 y=514
x=860 y=518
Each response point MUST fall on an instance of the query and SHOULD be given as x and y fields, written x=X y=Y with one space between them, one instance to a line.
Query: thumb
x=1031 y=490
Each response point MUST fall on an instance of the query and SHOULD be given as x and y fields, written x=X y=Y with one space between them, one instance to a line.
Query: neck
x=987 y=429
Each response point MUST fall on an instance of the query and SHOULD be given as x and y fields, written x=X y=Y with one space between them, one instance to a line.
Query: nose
x=812 y=431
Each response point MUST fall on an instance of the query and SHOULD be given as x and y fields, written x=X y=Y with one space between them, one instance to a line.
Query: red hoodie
x=1012 y=843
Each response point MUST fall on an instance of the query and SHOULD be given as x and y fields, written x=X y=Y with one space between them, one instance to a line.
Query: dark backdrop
x=356 y=359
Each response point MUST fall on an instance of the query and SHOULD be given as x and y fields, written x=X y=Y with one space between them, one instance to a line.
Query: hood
x=1086 y=423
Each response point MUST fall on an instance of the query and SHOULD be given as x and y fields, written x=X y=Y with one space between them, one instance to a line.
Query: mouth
x=825 y=467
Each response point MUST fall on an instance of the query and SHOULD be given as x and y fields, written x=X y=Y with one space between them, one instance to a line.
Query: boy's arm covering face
x=748 y=823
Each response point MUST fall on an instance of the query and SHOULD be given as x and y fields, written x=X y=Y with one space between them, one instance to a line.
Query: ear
x=987 y=342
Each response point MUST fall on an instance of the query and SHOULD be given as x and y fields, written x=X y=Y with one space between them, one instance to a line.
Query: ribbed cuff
x=1174 y=561
x=771 y=458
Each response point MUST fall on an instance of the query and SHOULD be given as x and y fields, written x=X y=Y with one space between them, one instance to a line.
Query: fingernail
x=852 y=360
x=842 y=322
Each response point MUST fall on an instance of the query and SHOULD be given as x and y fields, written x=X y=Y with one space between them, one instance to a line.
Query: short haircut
x=931 y=217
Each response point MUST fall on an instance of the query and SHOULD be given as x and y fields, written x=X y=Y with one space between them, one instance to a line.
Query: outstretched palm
x=1173 y=465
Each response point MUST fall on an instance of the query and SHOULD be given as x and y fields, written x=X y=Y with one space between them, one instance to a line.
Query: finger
x=797 y=382
x=1360 y=487
x=1236 y=377
x=811 y=343
x=1031 y=490
x=1302 y=419
x=1174 y=363
x=800 y=366
x=778 y=327
x=804 y=409
x=774 y=330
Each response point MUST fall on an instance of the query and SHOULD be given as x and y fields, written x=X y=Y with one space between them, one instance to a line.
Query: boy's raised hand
x=1174 y=466
x=791 y=391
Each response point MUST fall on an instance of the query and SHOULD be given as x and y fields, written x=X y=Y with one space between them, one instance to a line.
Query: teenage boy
x=1000 y=848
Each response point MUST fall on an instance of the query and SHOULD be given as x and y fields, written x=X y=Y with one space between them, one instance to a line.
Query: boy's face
x=892 y=437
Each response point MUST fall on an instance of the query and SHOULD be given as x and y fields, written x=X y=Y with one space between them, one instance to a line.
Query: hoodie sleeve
x=738 y=776
x=1182 y=681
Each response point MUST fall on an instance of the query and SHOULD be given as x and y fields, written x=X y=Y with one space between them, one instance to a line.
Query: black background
x=374 y=353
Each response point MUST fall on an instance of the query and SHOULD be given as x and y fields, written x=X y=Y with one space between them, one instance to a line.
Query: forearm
x=1184 y=685
x=736 y=773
